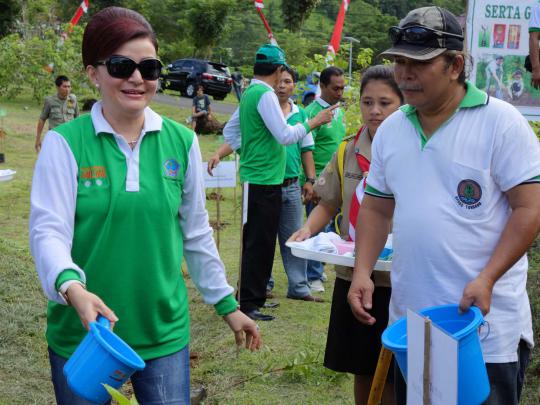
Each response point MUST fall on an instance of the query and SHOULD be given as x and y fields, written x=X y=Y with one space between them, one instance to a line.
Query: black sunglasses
x=122 y=67
x=418 y=35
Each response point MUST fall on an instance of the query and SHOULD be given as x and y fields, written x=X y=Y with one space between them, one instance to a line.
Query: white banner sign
x=498 y=40
x=224 y=175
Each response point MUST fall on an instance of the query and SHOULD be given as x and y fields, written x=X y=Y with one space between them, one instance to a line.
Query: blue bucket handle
x=101 y=320
x=484 y=323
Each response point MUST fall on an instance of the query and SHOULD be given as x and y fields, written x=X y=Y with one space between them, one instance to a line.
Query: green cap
x=271 y=54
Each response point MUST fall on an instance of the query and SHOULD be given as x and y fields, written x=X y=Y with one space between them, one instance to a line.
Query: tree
x=9 y=10
x=296 y=12
x=206 y=23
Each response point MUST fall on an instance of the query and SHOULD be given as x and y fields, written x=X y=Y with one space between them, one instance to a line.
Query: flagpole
x=259 y=5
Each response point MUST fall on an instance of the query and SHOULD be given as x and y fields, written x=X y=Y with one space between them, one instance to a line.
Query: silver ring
x=257 y=326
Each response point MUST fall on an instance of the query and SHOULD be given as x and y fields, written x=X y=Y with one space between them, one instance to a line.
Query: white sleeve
x=52 y=213
x=534 y=22
x=376 y=180
x=204 y=265
x=231 y=131
x=516 y=154
x=274 y=120
x=307 y=141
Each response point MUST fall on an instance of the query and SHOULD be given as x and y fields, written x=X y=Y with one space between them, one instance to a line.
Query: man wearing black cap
x=460 y=173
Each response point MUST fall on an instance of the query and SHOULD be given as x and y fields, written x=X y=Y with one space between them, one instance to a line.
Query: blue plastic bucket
x=101 y=358
x=473 y=383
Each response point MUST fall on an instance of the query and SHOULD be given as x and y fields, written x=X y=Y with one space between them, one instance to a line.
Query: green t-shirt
x=129 y=243
x=263 y=158
x=327 y=137
x=293 y=165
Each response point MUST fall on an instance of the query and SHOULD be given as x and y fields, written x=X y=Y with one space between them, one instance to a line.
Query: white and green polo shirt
x=450 y=209
x=293 y=164
x=534 y=21
x=121 y=221
x=264 y=131
x=328 y=136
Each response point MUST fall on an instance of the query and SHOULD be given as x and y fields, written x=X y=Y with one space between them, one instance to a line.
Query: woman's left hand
x=240 y=324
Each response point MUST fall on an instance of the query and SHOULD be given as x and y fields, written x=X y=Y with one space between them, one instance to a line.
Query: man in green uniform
x=60 y=108
x=327 y=139
x=264 y=132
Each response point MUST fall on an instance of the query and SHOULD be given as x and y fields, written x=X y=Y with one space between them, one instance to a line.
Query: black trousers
x=259 y=244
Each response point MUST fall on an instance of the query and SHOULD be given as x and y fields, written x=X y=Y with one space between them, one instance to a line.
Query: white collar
x=257 y=81
x=152 y=120
x=294 y=110
x=322 y=102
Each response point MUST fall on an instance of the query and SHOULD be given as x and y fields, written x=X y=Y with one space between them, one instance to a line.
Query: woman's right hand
x=89 y=306
x=300 y=235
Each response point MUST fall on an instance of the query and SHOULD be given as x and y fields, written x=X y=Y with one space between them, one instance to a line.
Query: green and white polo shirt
x=534 y=21
x=328 y=136
x=264 y=131
x=293 y=164
x=120 y=220
x=450 y=209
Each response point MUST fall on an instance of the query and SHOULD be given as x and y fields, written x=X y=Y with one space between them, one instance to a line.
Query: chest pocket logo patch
x=171 y=167
x=469 y=194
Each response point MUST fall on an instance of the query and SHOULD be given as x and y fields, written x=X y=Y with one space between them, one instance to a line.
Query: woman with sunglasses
x=117 y=201
x=351 y=346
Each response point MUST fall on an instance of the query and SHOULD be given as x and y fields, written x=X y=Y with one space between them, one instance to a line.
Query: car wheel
x=190 y=90
x=220 y=97
x=309 y=99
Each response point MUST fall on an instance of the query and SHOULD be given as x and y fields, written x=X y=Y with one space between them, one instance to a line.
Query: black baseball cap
x=426 y=33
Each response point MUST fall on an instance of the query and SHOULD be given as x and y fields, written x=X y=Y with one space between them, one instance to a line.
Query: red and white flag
x=83 y=8
x=335 y=41
x=259 y=4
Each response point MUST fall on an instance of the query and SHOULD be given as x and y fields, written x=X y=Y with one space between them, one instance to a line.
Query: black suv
x=185 y=74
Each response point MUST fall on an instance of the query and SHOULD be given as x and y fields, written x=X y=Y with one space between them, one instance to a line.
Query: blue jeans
x=164 y=380
x=315 y=269
x=289 y=222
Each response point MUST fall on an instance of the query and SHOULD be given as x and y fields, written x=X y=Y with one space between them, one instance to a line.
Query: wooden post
x=427 y=361
x=379 y=379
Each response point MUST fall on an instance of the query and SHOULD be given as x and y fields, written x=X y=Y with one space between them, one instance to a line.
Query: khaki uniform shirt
x=58 y=111
x=328 y=188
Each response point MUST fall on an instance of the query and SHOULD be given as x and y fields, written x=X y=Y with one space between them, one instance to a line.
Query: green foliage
x=9 y=9
x=119 y=397
x=29 y=59
x=207 y=20
x=296 y=12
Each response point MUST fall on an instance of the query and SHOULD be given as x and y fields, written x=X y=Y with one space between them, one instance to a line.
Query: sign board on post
x=498 y=41
x=443 y=366
x=224 y=175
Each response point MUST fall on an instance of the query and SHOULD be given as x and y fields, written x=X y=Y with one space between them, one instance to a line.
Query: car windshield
x=217 y=69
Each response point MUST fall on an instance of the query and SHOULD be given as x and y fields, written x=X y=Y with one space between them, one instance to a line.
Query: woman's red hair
x=111 y=28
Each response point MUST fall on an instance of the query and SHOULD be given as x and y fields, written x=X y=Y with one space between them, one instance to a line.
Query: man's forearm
x=308 y=164
x=533 y=50
x=39 y=128
x=520 y=231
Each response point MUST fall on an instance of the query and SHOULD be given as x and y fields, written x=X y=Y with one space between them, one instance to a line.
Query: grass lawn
x=287 y=370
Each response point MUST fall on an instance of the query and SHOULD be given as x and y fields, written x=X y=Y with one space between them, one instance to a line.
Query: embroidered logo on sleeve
x=171 y=167
x=469 y=194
